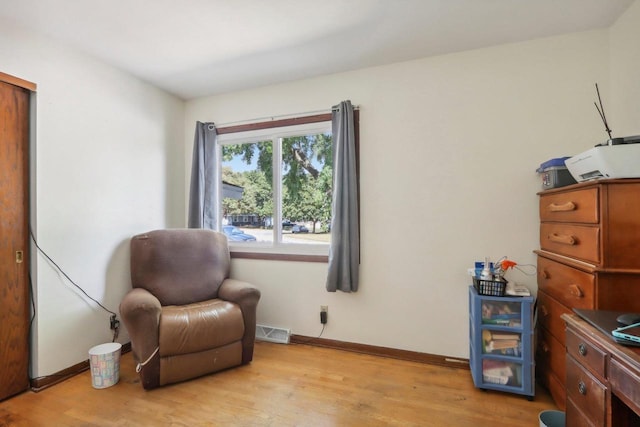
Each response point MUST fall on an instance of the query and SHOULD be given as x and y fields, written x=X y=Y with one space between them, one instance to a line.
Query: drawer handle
x=582 y=388
x=544 y=274
x=562 y=239
x=576 y=291
x=564 y=207
x=543 y=309
x=582 y=349
x=545 y=347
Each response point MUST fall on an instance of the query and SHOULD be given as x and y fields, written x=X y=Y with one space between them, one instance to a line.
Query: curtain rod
x=281 y=116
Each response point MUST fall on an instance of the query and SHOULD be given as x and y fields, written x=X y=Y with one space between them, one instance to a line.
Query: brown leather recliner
x=184 y=315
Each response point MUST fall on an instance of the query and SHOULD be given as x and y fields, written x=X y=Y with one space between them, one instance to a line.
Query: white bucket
x=104 y=360
x=552 y=418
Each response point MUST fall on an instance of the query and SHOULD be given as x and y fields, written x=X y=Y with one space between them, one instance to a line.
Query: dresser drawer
x=575 y=417
x=572 y=288
x=572 y=206
x=555 y=387
x=577 y=241
x=588 y=355
x=551 y=353
x=549 y=312
x=626 y=384
x=587 y=393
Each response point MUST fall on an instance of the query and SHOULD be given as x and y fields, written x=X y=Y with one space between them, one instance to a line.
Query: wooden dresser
x=603 y=378
x=589 y=258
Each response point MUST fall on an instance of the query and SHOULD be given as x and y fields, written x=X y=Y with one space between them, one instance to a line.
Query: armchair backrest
x=180 y=266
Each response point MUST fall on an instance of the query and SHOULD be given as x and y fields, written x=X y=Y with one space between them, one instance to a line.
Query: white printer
x=616 y=158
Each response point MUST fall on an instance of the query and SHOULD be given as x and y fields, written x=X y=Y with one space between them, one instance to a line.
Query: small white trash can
x=552 y=418
x=104 y=360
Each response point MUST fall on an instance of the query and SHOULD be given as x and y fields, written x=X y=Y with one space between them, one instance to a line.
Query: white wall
x=449 y=146
x=108 y=164
x=624 y=118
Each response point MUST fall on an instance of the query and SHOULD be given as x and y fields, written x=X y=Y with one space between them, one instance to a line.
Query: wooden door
x=14 y=284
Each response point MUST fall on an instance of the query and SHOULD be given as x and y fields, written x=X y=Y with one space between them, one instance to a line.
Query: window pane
x=247 y=192
x=306 y=189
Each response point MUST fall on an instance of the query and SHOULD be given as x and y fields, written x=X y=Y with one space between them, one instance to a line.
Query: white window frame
x=276 y=135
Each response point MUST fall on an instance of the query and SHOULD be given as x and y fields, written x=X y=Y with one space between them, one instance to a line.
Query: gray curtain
x=202 y=212
x=344 y=253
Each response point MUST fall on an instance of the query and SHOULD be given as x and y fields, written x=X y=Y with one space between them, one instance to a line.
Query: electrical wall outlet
x=114 y=323
x=324 y=311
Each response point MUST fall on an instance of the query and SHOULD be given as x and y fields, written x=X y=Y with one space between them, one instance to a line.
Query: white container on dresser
x=589 y=258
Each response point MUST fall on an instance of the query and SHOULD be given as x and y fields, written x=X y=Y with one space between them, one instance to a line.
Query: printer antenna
x=601 y=111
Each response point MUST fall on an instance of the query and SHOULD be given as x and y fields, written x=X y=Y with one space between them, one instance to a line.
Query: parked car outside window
x=299 y=229
x=234 y=234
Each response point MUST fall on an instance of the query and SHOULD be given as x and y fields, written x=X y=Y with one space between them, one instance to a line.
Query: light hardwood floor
x=285 y=385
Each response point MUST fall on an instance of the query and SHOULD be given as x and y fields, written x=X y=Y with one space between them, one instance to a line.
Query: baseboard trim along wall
x=41 y=383
x=411 y=356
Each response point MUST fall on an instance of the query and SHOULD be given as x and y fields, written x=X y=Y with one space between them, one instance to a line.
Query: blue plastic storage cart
x=501 y=353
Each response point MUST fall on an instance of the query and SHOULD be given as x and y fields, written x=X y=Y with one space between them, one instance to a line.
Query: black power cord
x=307 y=341
x=115 y=324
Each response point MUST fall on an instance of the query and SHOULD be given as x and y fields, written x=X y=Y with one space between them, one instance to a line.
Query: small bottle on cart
x=486 y=271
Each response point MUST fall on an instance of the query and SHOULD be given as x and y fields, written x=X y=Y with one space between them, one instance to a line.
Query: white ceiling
x=194 y=48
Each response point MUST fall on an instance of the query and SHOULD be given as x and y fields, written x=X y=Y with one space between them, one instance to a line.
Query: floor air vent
x=268 y=333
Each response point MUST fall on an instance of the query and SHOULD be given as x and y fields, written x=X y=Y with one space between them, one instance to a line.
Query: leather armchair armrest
x=242 y=293
x=246 y=296
x=140 y=312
